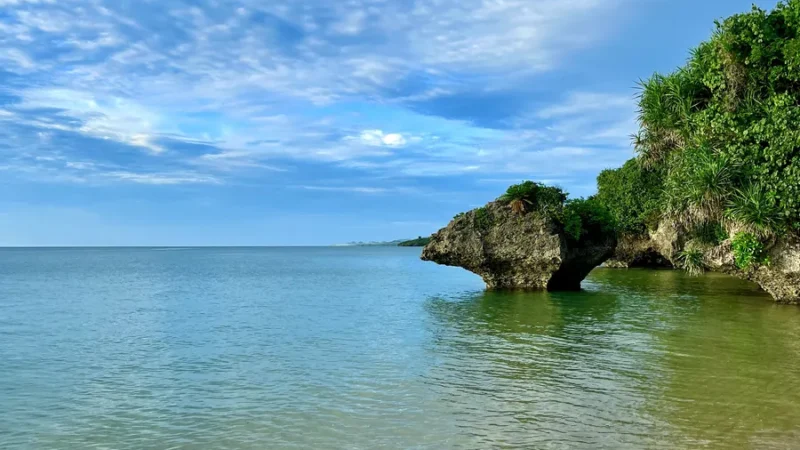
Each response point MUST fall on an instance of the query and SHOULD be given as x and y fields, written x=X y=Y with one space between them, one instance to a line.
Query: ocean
x=369 y=348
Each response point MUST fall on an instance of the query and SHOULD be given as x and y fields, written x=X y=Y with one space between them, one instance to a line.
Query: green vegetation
x=632 y=195
x=418 y=242
x=530 y=195
x=691 y=260
x=719 y=141
x=582 y=219
x=709 y=233
x=757 y=210
x=748 y=250
x=586 y=219
x=483 y=218
x=718 y=149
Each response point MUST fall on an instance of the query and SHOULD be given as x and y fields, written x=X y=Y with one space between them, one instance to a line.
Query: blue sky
x=244 y=122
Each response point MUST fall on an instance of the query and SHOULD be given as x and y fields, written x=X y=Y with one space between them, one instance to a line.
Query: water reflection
x=639 y=359
x=545 y=367
x=351 y=348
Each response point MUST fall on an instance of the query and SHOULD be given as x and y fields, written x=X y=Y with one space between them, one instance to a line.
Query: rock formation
x=516 y=251
x=637 y=251
x=781 y=278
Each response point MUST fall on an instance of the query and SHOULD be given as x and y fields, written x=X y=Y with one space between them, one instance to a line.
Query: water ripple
x=371 y=348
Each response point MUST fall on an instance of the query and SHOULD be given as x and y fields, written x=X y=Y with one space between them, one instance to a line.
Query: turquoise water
x=365 y=348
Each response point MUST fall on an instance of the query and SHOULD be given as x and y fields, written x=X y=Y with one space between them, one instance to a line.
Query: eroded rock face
x=515 y=251
x=637 y=251
x=781 y=278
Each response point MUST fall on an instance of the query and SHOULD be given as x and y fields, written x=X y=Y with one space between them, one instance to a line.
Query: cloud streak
x=207 y=92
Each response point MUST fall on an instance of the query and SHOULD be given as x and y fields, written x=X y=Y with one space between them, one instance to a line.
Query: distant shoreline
x=418 y=242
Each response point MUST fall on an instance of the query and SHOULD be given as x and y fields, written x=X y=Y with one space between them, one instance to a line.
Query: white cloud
x=360 y=189
x=223 y=55
x=379 y=138
x=351 y=24
x=110 y=118
x=356 y=189
x=211 y=76
x=162 y=178
x=234 y=160
x=103 y=40
x=80 y=165
x=19 y=60
x=394 y=140
x=587 y=102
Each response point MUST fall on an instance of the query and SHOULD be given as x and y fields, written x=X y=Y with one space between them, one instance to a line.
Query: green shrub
x=632 y=195
x=756 y=209
x=748 y=250
x=691 y=260
x=531 y=195
x=550 y=198
x=710 y=181
x=483 y=218
x=709 y=233
x=586 y=220
x=573 y=224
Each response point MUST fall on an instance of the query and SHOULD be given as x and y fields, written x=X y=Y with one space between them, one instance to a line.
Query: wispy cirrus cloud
x=209 y=91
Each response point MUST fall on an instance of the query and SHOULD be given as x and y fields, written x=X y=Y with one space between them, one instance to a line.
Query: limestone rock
x=637 y=251
x=515 y=251
x=781 y=278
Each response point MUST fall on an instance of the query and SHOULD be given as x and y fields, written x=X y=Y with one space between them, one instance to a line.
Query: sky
x=245 y=122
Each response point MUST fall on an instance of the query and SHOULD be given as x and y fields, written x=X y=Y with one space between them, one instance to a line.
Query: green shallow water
x=365 y=348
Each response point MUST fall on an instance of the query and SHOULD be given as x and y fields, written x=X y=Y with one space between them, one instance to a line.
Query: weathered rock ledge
x=516 y=251
x=781 y=278
x=637 y=251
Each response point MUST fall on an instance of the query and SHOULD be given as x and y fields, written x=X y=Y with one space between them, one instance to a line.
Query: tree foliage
x=586 y=220
x=632 y=195
x=719 y=138
x=748 y=250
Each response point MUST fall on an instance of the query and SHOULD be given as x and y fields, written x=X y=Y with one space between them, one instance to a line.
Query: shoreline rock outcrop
x=637 y=251
x=509 y=250
x=662 y=248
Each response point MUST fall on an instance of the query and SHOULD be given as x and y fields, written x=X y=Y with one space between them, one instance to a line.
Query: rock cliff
x=516 y=251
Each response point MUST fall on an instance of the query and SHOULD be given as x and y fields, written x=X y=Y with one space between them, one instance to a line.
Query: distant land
x=418 y=242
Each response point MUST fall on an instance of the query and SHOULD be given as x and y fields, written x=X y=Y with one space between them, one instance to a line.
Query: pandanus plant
x=518 y=205
x=520 y=196
x=529 y=196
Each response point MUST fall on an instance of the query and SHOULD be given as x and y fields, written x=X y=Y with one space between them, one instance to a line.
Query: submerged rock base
x=515 y=251
x=781 y=278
